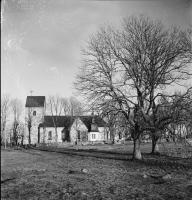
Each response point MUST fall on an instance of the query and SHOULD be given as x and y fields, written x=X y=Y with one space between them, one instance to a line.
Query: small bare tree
x=21 y=132
x=115 y=121
x=76 y=107
x=72 y=107
x=65 y=106
x=5 y=113
x=9 y=132
x=17 y=108
x=168 y=112
x=54 y=107
x=29 y=120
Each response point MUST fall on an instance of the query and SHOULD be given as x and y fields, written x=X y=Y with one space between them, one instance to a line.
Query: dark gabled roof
x=87 y=120
x=35 y=101
x=67 y=121
x=61 y=121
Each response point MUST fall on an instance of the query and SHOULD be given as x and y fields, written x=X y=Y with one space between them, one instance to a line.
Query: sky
x=41 y=39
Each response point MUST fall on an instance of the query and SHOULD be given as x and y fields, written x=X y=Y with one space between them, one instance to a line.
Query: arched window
x=78 y=134
x=34 y=113
x=50 y=135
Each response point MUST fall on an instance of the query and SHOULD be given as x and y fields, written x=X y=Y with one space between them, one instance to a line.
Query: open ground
x=93 y=172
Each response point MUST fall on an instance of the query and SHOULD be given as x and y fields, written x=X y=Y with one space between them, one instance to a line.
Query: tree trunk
x=56 y=135
x=15 y=139
x=29 y=139
x=174 y=138
x=155 y=146
x=112 y=138
x=137 y=150
x=15 y=133
x=10 y=137
x=22 y=140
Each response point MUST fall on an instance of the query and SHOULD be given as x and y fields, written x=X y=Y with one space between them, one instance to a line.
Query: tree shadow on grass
x=162 y=161
x=90 y=153
x=165 y=162
x=9 y=179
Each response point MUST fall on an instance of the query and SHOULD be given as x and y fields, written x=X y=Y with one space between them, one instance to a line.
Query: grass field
x=92 y=172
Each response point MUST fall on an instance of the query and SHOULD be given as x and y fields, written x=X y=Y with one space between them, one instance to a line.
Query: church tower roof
x=35 y=101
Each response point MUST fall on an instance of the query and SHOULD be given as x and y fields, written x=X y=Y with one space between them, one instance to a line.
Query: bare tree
x=9 y=133
x=76 y=107
x=65 y=106
x=188 y=118
x=71 y=106
x=17 y=108
x=54 y=108
x=21 y=132
x=29 y=122
x=111 y=122
x=116 y=123
x=166 y=113
x=5 y=113
x=131 y=67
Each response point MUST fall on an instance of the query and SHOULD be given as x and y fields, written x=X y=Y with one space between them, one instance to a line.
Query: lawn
x=92 y=172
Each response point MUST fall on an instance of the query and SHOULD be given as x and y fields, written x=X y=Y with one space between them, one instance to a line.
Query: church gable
x=98 y=122
x=78 y=130
x=78 y=124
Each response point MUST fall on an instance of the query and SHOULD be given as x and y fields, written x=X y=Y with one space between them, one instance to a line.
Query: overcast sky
x=41 y=39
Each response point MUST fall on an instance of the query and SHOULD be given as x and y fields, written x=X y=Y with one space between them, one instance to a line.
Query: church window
x=34 y=113
x=50 y=135
x=93 y=136
x=78 y=134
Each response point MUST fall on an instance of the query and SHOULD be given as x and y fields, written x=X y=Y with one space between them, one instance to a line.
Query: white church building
x=43 y=127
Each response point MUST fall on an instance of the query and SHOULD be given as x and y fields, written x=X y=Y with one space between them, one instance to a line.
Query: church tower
x=34 y=115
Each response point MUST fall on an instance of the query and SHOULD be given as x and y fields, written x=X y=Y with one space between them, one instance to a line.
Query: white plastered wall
x=44 y=135
x=36 y=120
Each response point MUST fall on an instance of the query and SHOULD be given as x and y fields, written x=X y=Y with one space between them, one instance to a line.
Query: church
x=42 y=128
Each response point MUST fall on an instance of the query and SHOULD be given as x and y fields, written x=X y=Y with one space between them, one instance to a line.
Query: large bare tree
x=130 y=67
